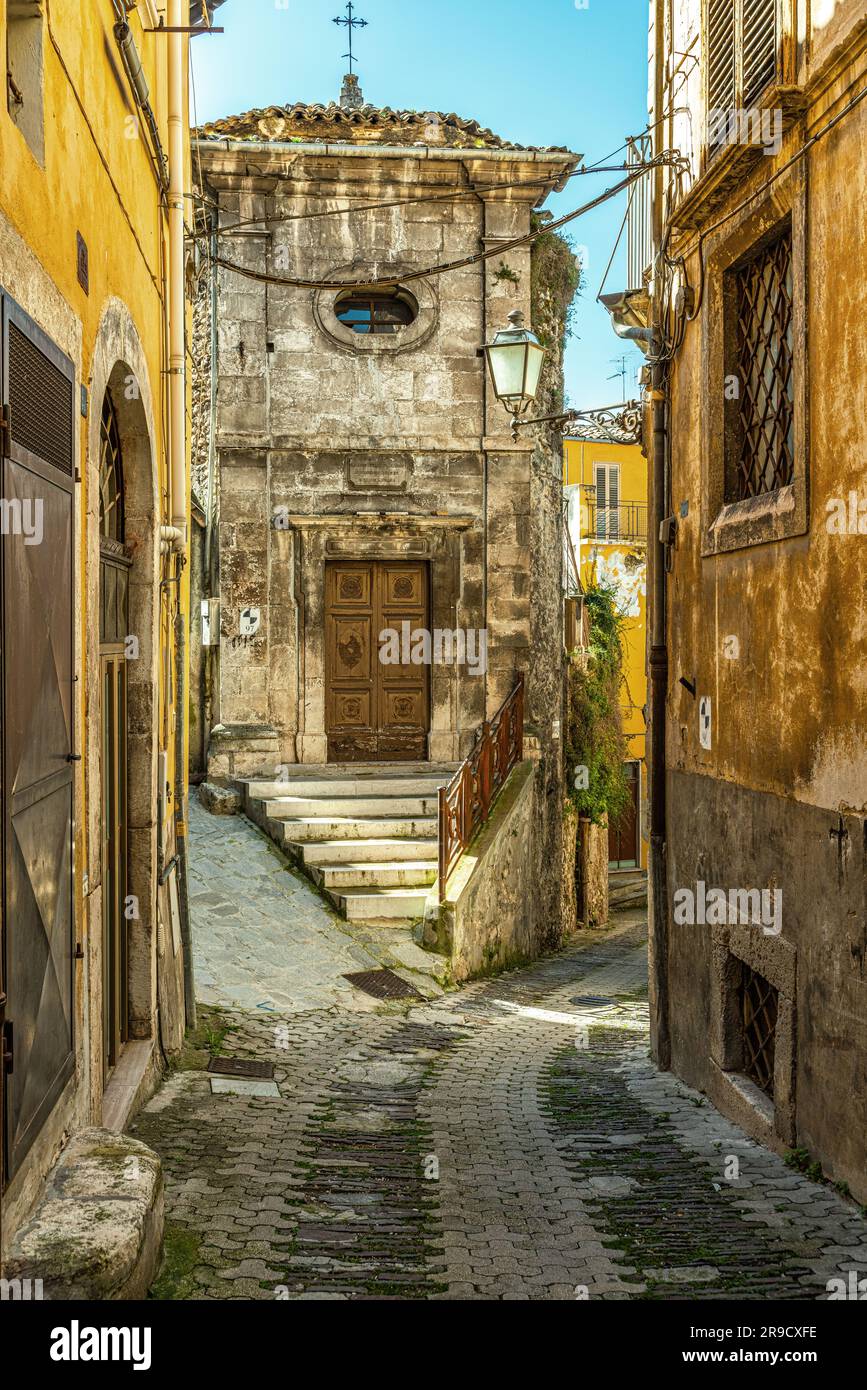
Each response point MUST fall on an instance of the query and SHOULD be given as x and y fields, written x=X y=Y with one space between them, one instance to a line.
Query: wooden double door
x=623 y=837
x=377 y=697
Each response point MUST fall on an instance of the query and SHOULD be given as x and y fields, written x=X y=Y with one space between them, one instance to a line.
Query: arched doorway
x=114 y=575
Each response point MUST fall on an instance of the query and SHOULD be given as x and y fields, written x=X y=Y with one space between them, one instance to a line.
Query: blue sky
x=551 y=72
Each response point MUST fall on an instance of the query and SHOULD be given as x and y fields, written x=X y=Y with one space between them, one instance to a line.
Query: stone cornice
x=409 y=520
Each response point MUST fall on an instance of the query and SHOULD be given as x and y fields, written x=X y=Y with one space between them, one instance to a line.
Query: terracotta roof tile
x=368 y=125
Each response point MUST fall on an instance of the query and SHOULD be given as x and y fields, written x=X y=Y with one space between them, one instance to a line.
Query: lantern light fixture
x=515 y=359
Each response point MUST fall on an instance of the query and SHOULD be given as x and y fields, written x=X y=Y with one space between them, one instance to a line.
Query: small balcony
x=626 y=522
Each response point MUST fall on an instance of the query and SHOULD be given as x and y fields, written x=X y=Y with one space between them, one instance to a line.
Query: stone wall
x=492 y=915
x=314 y=421
x=767 y=615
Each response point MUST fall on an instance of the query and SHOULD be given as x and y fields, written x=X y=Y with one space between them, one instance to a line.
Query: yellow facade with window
x=606 y=491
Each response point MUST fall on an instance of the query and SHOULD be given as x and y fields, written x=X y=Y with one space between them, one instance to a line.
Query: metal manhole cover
x=383 y=984
x=593 y=1001
x=241 y=1066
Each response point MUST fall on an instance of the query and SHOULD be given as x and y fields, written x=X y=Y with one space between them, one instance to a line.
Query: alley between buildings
x=511 y=1140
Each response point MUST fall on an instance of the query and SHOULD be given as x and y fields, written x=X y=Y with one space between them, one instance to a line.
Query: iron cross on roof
x=350 y=23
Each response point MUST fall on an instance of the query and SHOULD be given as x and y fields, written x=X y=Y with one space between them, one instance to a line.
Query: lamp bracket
x=625 y=418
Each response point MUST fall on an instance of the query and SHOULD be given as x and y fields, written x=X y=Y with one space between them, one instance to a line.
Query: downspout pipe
x=181 y=817
x=178 y=463
x=657 y=643
x=658 y=663
x=635 y=335
x=177 y=299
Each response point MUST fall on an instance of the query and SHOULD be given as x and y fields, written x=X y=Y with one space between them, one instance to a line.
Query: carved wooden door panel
x=377 y=698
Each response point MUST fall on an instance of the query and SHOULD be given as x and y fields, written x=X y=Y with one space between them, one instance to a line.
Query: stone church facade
x=356 y=472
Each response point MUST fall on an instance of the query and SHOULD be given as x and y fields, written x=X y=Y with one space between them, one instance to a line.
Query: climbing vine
x=555 y=281
x=595 y=745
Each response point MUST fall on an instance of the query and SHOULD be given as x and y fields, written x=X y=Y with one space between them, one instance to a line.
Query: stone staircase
x=366 y=835
x=627 y=888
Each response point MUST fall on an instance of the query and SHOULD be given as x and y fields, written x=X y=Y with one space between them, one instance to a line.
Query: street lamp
x=515 y=360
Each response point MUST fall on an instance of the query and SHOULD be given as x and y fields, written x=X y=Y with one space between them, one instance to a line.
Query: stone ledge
x=96 y=1232
x=220 y=801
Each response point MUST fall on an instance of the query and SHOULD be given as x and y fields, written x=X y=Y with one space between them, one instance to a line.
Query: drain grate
x=241 y=1066
x=593 y=1001
x=383 y=984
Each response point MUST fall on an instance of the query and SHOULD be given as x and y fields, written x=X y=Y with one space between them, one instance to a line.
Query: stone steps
x=349 y=807
x=334 y=852
x=408 y=873
x=627 y=888
x=377 y=904
x=366 y=835
x=406 y=785
x=351 y=827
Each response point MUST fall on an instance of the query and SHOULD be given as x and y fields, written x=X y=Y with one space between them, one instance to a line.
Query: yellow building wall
x=95 y=177
x=625 y=561
x=97 y=180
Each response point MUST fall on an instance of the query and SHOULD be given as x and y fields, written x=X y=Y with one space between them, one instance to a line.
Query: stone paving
x=508 y=1141
x=264 y=939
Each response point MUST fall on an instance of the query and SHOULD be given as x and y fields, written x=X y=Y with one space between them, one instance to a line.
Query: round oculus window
x=382 y=313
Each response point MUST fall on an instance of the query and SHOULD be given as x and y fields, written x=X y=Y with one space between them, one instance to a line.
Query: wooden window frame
x=784 y=74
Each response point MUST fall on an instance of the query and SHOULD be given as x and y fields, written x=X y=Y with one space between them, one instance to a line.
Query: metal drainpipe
x=658 y=692
x=178 y=461
x=483 y=267
x=658 y=653
x=207 y=586
x=181 y=810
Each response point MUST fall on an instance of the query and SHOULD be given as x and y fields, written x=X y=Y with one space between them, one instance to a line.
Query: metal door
x=114 y=573
x=37 y=735
x=114 y=858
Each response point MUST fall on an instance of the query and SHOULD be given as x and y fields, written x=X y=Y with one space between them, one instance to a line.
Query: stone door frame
x=378 y=536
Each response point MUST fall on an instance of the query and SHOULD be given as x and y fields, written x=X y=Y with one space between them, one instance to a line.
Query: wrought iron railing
x=465 y=803
x=639 y=220
x=625 y=522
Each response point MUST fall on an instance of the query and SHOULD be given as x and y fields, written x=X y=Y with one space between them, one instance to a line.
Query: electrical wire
x=464 y=262
x=477 y=189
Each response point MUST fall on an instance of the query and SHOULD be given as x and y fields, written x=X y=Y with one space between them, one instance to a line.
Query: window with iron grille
x=742 y=39
x=761 y=453
x=759 y=1002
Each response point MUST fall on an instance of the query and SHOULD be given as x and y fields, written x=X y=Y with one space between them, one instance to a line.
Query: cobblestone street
x=510 y=1140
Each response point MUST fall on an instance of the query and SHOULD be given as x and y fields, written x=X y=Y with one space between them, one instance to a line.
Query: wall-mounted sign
x=249 y=622
x=378 y=473
x=704 y=721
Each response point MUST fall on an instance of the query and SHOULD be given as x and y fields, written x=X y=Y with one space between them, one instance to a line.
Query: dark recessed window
x=759 y=1006
x=376 y=313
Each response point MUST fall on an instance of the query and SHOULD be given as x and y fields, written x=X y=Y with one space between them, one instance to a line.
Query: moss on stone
x=180 y=1257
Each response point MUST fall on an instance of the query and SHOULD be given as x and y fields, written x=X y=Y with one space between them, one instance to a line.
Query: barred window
x=762 y=458
x=759 y=1008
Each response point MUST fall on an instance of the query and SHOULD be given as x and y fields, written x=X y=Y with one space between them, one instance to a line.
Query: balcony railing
x=625 y=522
x=639 y=223
x=465 y=803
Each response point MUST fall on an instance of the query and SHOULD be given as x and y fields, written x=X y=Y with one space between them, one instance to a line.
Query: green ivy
x=594 y=725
